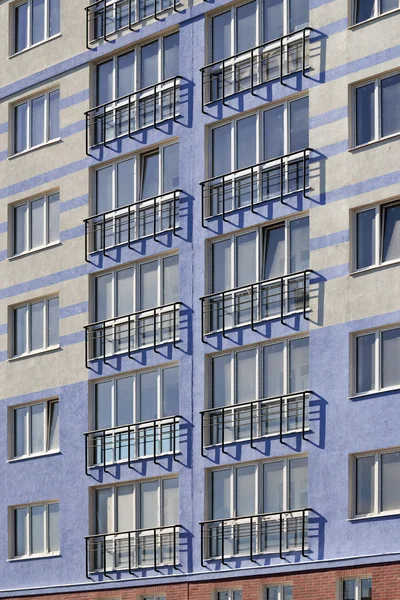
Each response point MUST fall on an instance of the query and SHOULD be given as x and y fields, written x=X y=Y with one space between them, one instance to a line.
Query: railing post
x=282 y=179
x=304 y=54
x=104 y=451
x=174 y=338
x=155 y=548
x=202 y=91
x=202 y=301
x=304 y=174
x=282 y=289
x=252 y=72
x=129 y=446
x=281 y=62
x=252 y=307
x=303 y=435
x=86 y=348
x=86 y=454
x=223 y=82
x=87 y=556
x=223 y=431
x=175 y=199
x=223 y=314
x=87 y=119
x=129 y=553
x=174 y=439
x=155 y=442
x=281 y=419
x=305 y=295
x=223 y=543
x=86 y=242
x=104 y=557
x=155 y=103
x=223 y=198
x=129 y=228
x=174 y=100
x=251 y=539
x=252 y=189
x=303 y=533
x=103 y=232
x=87 y=8
x=155 y=218
x=129 y=15
x=202 y=544
x=202 y=434
x=155 y=330
x=251 y=425
x=280 y=535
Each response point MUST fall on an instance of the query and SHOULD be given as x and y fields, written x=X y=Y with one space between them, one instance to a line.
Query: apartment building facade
x=199 y=300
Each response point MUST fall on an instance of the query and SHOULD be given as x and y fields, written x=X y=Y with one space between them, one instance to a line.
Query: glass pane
x=273 y=487
x=54 y=115
x=390 y=481
x=221 y=150
x=298 y=14
x=273 y=19
x=38 y=223
x=125 y=183
x=246 y=26
x=274 y=252
x=21 y=121
x=299 y=123
x=273 y=370
x=53 y=322
x=222 y=595
x=54 y=527
x=221 y=503
x=221 y=36
x=221 y=266
x=391 y=233
x=104 y=189
x=124 y=401
x=365 y=124
x=364 y=10
x=246 y=139
x=287 y=592
x=104 y=510
x=387 y=5
x=245 y=491
x=20 y=446
x=349 y=586
x=148 y=396
x=273 y=132
x=103 y=405
x=365 y=363
x=37 y=121
x=237 y=595
x=365 y=485
x=125 y=74
x=54 y=17
x=170 y=391
x=298 y=484
x=21 y=27
x=105 y=87
x=246 y=259
x=20 y=345
x=20 y=229
x=124 y=292
x=390 y=357
x=246 y=376
x=149 y=510
x=170 y=491
x=170 y=279
x=149 y=64
x=38 y=33
x=37 y=529
x=104 y=294
x=150 y=175
x=124 y=508
x=170 y=167
x=53 y=218
x=299 y=365
x=36 y=325
x=299 y=245
x=149 y=285
x=390 y=97
x=20 y=525
x=221 y=381
x=37 y=428
x=272 y=593
x=365 y=223
x=54 y=425
x=171 y=56
x=366 y=589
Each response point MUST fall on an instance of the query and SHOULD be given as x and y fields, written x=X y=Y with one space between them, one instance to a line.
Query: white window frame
x=47 y=35
x=379 y=223
x=357 y=581
x=377 y=12
x=378 y=362
x=46 y=224
x=27 y=428
x=28 y=344
x=377 y=110
x=28 y=102
x=281 y=590
x=377 y=491
x=28 y=536
x=230 y=592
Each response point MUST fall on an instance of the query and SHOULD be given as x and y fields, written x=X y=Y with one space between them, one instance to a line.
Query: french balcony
x=255 y=535
x=134 y=442
x=105 y=18
x=274 y=60
x=255 y=303
x=141 y=330
x=126 y=116
x=253 y=186
x=126 y=225
x=256 y=420
x=151 y=548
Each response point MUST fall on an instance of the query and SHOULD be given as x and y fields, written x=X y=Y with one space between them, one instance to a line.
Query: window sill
x=384 y=265
x=34 y=251
x=35 y=353
x=41 y=43
x=382 y=140
x=394 y=513
x=389 y=13
x=257 y=439
x=34 y=556
x=374 y=393
x=32 y=456
x=28 y=150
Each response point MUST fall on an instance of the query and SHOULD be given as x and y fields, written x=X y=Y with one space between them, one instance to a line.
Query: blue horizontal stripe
x=332 y=239
x=362 y=187
x=329 y=117
x=73 y=128
x=72 y=338
x=333 y=28
x=54 y=278
x=3 y=255
x=49 y=393
x=73 y=309
x=73 y=203
x=335 y=272
x=3 y=329
x=318 y=3
x=3 y=227
x=3 y=155
x=74 y=99
x=334 y=149
x=3 y=128
x=71 y=234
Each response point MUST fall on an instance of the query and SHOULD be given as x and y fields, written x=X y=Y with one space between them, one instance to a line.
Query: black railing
x=129 y=550
x=133 y=442
x=254 y=303
x=254 y=185
x=276 y=59
x=255 y=420
x=253 y=535
x=147 y=107
x=149 y=217
x=148 y=328
x=105 y=18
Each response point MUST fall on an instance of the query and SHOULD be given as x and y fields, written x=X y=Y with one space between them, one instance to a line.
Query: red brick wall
x=318 y=585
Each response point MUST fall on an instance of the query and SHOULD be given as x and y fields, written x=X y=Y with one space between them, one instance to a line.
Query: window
x=250 y=140
x=36 y=223
x=36 y=326
x=377 y=360
x=34 y=22
x=153 y=598
x=377 y=235
x=229 y=595
x=377 y=109
x=35 y=429
x=279 y=592
x=35 y=530
x=376 y=483
x=145 y=396
x=368 y=9
x=356 y=589
x=37 y=121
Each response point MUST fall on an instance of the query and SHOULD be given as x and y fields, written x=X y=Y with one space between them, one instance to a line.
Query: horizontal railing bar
x=242 y=404
x=259 y=515
x=133 y=425
x=132 y=531
x=128 y=206
x=172 y=306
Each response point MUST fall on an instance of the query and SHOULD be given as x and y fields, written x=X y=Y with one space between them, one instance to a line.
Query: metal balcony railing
x=133 y=442
x=254 y=185
x=255 y=420
x=147 y=107
x=254 y=303
x=276 y=59
x=144 y=329
x=106 y=17
x=253 y=535
x=149 y=217
x=129 y=550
